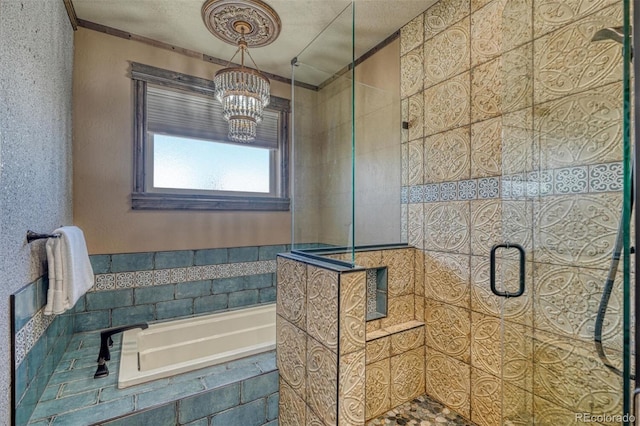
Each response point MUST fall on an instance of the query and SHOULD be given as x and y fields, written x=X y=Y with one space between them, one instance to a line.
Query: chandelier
x=242 y=91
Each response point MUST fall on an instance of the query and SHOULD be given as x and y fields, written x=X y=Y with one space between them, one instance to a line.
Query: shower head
x=611 y=33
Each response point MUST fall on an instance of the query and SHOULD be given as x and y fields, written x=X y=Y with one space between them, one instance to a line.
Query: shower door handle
x=492 y=277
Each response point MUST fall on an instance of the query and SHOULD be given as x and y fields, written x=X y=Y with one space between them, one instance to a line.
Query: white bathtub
x=173 y=347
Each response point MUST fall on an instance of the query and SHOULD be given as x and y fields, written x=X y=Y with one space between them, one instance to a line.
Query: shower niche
x=376 y=293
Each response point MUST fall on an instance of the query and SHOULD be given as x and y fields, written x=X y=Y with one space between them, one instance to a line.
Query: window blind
x=179 y=113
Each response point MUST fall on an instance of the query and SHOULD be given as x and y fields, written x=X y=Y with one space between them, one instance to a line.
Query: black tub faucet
x=106 y=342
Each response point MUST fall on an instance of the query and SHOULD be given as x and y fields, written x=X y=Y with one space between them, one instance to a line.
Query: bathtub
x=169 y=348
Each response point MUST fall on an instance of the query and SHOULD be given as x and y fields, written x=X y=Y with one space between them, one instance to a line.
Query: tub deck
x=179 y=346
x=73 y=397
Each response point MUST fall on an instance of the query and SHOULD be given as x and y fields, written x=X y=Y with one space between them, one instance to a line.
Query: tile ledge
x=394 y=329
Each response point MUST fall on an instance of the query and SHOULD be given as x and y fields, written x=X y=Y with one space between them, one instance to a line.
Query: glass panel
x=346 y=143
x=513 y=73
x=551 y=101
x=182 y=163
x=628 y=316
x=323 y=140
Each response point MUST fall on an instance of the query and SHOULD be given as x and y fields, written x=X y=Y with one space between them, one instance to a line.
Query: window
x=183 y=158
x=201 y=165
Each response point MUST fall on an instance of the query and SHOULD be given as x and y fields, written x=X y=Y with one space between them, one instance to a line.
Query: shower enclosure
x=503 y=154
x=337 y=182
x=564 y=155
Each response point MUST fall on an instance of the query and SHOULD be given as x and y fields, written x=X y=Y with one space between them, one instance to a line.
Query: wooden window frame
x=141 y=199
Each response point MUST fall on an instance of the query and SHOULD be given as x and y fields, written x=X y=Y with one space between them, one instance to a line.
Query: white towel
x=70 y=272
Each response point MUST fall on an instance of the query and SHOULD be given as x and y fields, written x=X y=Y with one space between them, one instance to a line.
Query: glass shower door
x=560 y=115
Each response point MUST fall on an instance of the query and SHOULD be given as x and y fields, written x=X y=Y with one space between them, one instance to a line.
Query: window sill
x=159 y=201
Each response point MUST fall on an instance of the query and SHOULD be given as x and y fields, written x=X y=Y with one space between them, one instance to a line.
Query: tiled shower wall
x=320 y=336
x=515 y=134
x=395 y=344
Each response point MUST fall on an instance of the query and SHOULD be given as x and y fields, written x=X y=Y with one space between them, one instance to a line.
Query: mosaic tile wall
x=137 y=287
x=514 y=135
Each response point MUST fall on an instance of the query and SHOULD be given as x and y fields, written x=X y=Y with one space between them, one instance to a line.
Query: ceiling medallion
x=261 y=24
x=243 y=92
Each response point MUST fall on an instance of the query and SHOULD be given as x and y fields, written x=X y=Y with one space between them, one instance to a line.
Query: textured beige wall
x=324 y=156
x=103 y=160
x=515 y=138
x=378 y=133
x=305 y=184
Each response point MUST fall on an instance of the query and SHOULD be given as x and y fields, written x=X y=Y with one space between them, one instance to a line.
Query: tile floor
x=422 y=411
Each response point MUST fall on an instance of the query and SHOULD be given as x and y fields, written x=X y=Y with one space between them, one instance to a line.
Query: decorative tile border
x=180 y=275
x=449 y=191
x=28 y=335
x=570 y=180
x=605 y=177
x=468 y=189
x=488 y=187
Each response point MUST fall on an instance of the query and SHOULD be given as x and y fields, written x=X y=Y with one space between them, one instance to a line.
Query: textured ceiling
x=179 y=23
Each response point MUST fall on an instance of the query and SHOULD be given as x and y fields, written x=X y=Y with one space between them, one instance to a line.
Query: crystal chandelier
x=242 y=91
